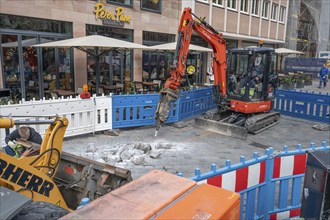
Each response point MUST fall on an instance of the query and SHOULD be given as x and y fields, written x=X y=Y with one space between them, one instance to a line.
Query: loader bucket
x=222 y=128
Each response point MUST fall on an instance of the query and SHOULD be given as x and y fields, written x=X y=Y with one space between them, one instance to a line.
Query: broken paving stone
x=127 y=154
x=138 y=152
x=112 y=159
x=138 y=159
x=142 y=146
x=154 y=154
x=91 y=148
x=124 y=147
x=163 y=146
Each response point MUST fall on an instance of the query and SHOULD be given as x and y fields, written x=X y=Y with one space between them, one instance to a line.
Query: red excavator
x=244 y=82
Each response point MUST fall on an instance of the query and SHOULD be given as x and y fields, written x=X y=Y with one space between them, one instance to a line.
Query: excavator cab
x=251 y=74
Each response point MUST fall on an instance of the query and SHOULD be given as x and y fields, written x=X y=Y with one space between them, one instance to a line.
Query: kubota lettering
x=24 y=178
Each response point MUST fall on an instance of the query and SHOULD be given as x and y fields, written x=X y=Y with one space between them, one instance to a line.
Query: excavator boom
x=189 y=23
x=243 y=87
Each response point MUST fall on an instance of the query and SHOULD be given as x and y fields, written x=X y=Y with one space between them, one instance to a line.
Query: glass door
x=11 y=67
x=30 y=67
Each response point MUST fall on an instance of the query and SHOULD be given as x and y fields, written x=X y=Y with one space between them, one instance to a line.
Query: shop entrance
x=31 y=72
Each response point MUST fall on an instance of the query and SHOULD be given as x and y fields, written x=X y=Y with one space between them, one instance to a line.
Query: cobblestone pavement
x=192 y=147
x=314 y=88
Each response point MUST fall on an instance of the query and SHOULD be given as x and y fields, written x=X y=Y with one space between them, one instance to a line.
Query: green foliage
x=287 y=79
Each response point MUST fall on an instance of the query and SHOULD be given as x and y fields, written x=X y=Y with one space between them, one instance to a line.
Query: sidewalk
x=314 y=88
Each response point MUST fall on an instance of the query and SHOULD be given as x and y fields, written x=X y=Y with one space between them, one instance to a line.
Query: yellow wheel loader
x=46 y=183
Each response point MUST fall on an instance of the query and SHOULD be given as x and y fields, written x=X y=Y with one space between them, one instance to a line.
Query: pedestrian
x=324 y=73
x=21 y=134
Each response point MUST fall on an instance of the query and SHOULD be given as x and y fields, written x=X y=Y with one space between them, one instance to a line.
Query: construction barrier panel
x=101 y=113
x=304 y=105
x=270 y=185
x=139 y=109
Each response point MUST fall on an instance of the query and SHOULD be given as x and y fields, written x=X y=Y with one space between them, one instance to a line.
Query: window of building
x=116 y=67
x=282 y=14
x=255 y=7
x=231 y=4
x=274 y=11
x=244 y=5
x=265 y=6
x=154 y=38
x=155 y=64
x=217 y=2
x=121 y=2
x=41 y=70
x=151 y=5
x=34 y=24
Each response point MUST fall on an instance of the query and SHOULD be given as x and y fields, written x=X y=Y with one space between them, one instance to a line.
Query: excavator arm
x=189 y=23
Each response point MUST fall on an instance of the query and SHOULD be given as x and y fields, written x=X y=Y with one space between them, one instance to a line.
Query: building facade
x=245 y=22
x=33 y=72
x=309 y=26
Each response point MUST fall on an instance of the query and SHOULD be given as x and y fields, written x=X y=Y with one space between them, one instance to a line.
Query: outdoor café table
x=149 y=86
x=113 y=89
x=65 y=93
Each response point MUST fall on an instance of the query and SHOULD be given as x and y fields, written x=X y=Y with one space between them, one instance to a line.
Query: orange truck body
x=161 y=195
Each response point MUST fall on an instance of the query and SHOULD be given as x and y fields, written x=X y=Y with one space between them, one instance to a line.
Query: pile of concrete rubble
x=136 y=153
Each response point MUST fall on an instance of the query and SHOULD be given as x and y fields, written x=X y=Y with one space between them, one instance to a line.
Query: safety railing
x=120 y=111
x=101 y=113
x=84 y=115
x=305 y=105
x=270 y=185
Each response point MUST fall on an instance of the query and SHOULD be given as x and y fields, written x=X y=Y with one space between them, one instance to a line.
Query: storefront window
x=115 y=66
x=156 y=64
x=121 y=2
x=30 y=65
x=27 y=70
x=151 y=5
x=34 y=24
x=230 y=44
x=11 y=73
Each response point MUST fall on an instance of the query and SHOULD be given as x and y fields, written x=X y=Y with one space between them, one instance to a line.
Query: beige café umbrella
x=172 y=46
x=100 y=44
x=285 y=52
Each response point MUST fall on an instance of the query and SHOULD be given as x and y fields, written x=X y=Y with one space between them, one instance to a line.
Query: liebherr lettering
x=24 y=178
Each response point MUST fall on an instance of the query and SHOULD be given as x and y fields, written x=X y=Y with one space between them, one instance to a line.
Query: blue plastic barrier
x=139 y=109
x=303 y=105
x=195 y=102
x=270 y=185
